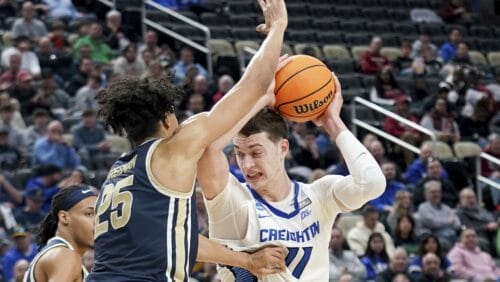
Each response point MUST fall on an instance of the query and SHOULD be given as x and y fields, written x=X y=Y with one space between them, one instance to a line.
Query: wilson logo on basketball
x=309 y=107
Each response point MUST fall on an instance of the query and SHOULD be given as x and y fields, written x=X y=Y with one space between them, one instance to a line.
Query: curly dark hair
x=134 y=107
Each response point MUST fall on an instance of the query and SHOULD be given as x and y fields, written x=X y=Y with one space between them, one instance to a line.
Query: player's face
x=82 y=218
x=260 y=159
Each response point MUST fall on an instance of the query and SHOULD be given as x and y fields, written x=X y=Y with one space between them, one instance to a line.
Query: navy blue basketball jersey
x=143 y=231
x=54 y=242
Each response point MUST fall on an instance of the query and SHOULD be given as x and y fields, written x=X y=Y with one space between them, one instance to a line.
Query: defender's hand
x=266 y=261
x=275 y=15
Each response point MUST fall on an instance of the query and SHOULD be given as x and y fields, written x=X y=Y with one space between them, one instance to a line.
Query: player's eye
x=239 y=154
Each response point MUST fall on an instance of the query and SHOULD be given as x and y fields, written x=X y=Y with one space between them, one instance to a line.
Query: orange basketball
x=304 y=89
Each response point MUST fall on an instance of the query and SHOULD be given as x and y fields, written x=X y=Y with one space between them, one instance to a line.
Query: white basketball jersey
x=304 y=227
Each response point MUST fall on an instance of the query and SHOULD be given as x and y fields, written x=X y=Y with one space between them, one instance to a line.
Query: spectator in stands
x=434 y=172
x=376 y=148
x=80 y=78
x=494 y=86
x=431 y=63
x=375 y=258
x=402 y=206
x=47 y=177
x=385 y=202
x=38 y=129
x=20 y=269
x=358 y=236
x=461 y=55
x=405 y=234
x=188 y=81
x=225 y=83
x=398 y=264
x=372 y=61
x=441 y=122
x=58 y=37
x=196 y=104
x=436 y=217
x=309 y=155
x=473 y=216
x=15 y=137
x=151 y=44
x=431 y=271
x=455 y=12
x=128 y=63
x=8 y=78
x=476 y=128
x=386 y=89
x=343 y=260
x=429 y=245
x=52 y=149
x=470 y=262
x=423 y=40
x=186 y=62
x=24 y=91
x=398 y=129
x=416 y=171
x=10 y=157
x=90 y=136
x=85 y=97
x=30 y=215
x=449 y=48
x=49 y=96
x=8 y=193
x=7 y=10
x=404 y=61
x=118 y=36
x=23 y=248
x=100 y=52
x=29 y=60
x=28 y=25
x=62 y=9
x=53 y=59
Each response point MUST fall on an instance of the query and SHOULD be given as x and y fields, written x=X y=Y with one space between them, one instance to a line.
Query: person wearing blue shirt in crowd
x=23 y=248
x=375 y=258
x=47 y=180
x=386 y=200
x=417 y=169
x=449 y=48
x=186 y=62
x=90 y=136
x=30 y=215
x=52 y=149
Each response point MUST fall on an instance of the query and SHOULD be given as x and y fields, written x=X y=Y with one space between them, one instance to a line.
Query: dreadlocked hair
x=134 y=106
x=48 y=226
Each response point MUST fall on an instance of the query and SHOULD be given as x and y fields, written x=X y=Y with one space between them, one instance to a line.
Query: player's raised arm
x=366 y=181
x=207 y=127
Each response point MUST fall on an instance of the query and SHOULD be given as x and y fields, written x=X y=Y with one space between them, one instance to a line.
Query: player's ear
x=284 y=147
x=166 y=122
x=63 y=217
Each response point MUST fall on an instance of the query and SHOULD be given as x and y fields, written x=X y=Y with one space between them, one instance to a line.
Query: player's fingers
x=262 y=28
x=338 y=87
x=262 y=4
x=283 y=61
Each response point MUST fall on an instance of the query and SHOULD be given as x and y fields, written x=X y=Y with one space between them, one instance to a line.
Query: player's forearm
x=334 y=126
x=368 y=181
x=209 y=251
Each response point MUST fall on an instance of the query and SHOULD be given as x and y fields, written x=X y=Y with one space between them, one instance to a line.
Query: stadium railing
x=483 y=179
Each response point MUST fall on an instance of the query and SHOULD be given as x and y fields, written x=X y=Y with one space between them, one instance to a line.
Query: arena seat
x=477 y=58
x=391 y=53
x=494 y=58
x=321 y=12
x=344 y=66
x=119 y=144
x=357 y=51
x=299 y=48
x=332 y=37
x=399 y=14
x=481 y=31
x=300 y=36
x=466 y=149
x=417 y=3
x=374 y=14
x=68 y=123
x=240 y=46
x=407 y=28
x=379 y=27
x=348 y=221
x=242 y=20
x=212 y=19
x=336 y=52
x=220 y=47
x=286 y=49
x=353 y=39
x=443 y=151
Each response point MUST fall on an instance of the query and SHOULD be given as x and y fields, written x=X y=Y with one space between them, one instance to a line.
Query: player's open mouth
x=254 y=176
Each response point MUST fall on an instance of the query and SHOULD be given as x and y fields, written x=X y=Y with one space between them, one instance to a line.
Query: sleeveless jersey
x=54 y=242
x=304 y=229
x=143 y=231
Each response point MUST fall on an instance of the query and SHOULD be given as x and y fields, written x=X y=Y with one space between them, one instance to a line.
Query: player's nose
x=247 y=162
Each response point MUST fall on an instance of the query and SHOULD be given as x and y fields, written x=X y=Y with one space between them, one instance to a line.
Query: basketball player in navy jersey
x=65 y=234
x=271 y=207
x=146 y=227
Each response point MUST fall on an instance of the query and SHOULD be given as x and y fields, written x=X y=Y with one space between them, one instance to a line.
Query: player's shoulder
x=60 y=256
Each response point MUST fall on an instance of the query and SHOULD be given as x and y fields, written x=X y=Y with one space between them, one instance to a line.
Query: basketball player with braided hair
x=272 y=208
x=146 y=226
x=65 y=235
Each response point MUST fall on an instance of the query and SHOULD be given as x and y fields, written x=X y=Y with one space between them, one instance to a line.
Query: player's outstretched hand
x=275 y=15
x=335 y=106
x=269 y=260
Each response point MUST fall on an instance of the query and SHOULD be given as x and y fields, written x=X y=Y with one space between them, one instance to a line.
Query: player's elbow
x=374 y=181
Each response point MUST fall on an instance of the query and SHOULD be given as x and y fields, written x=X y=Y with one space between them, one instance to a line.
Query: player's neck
x=277 y=189
x=66 y=236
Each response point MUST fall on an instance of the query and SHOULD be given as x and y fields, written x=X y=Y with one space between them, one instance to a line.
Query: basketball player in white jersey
x=270 y=207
